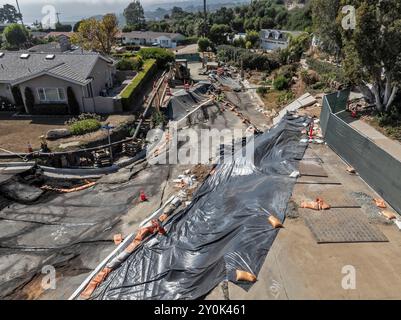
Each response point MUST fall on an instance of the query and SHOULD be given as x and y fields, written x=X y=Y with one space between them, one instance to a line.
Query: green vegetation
x=134 y=63
x=161 y=55
x=130 y=91
x=204 y=44
x=9 y=14
x=330 y=75
x=16 y=36
x=250 y=60
x=369 y=52
x=84 y=126
x=134 y=15
x=281 y=83
x=262 y=90
x=259 y=14
x=298 y=45
x=158 y=118
x=97 y=35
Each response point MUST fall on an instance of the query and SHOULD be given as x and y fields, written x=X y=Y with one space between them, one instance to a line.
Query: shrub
x=126 y=64
x=327 y=70
x=83 y=116
x=250 y=60
x=309 y=78
x=281 y=83
x=162 y=56
x=188 y=40
x=286 y=97
x=84 y=126
x=262 y=90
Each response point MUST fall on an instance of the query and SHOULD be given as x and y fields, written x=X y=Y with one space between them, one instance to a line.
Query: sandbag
x=245 y=276
x=388 y=214
x=276 y=223
x=380 y=203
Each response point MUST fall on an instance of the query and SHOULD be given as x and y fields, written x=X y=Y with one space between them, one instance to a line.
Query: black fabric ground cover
x=224 y=229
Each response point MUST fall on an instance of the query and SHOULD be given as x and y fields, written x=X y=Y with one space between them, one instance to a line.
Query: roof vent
x=50 y=56
x=1 y=54
x=25 y=56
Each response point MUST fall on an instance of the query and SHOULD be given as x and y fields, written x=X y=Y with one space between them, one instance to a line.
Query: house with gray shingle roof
x=49 y=76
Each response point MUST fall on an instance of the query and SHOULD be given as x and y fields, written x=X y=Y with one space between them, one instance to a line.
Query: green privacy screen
x=379 y=169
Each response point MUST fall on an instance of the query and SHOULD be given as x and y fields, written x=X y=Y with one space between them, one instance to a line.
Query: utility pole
x=205 y=28
x=58 y=17
x=19 y=11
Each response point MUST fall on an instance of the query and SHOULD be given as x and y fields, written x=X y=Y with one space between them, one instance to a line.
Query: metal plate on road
x=342 y=226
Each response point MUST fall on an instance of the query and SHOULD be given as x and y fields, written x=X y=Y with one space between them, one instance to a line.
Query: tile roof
x=71 y=66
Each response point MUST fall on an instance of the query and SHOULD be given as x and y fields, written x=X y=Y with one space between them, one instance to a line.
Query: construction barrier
x=378 y=168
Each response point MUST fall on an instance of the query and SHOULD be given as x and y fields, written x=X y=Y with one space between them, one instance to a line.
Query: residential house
x=61 y=45
x=89 y=75
x=150 y=38
x=271 y=39
x=57 y=34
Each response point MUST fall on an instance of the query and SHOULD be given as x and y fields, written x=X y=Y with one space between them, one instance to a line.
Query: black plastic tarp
x=224 y=229
x=183 y=101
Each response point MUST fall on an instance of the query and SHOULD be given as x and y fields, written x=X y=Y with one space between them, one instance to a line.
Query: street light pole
x=108 y=127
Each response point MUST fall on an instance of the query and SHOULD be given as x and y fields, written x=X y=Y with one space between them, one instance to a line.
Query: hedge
x=131 y=91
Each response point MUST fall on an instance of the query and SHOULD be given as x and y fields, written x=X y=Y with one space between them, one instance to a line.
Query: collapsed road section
x=224 y=234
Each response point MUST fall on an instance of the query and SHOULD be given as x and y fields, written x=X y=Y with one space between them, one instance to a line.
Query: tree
x=8 y=14
x=324 y=14
x=63 y=27
x=204 y=44
x=16 y=35
x=252 y=37
x=372 y=52
x=76 y=26
x=134 y=14
x=97 y=35
x=177 y=12
x=218 y=33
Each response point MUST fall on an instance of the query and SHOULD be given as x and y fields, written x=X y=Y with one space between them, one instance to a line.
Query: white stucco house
x=271 y=39
x=49 y=76
x=150 y=38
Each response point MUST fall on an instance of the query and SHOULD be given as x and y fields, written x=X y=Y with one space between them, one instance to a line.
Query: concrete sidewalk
x=297 y=267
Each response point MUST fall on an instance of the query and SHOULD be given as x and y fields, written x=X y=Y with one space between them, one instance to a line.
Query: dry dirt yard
x=15 y=133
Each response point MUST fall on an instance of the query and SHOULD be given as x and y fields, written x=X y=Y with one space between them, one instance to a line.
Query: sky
x=73 y=10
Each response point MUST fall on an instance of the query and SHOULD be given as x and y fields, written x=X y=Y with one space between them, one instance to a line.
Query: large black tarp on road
x=224 y=229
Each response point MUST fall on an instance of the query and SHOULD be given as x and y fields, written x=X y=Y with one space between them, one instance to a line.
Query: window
x=51 y=94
